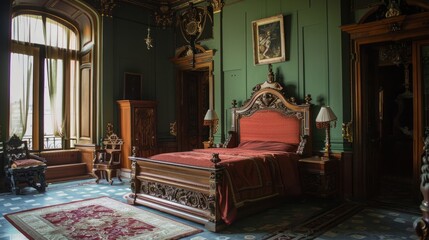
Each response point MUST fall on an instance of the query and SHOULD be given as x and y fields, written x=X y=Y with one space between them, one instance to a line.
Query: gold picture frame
x=269 y=40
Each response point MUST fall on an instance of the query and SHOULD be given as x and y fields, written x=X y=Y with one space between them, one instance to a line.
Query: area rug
x=97 y=218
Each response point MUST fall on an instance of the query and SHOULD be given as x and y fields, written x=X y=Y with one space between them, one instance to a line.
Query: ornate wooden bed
x=256 y=168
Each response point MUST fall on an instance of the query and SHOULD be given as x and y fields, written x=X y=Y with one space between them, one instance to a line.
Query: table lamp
x=323 y=120
x=211 y=119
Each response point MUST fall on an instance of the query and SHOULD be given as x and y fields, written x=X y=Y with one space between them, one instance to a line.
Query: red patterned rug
x=97 y=218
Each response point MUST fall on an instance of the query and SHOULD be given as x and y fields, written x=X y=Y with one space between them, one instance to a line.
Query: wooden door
x=409 y=27
x=194 y=95
x=194 y=103
x=388 y=104
x=421 y=101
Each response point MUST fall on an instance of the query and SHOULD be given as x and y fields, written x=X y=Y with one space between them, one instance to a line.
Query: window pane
x=59 y=35
x=25 y=81
x=28 y=28
x=53 y=103
x=21 y=94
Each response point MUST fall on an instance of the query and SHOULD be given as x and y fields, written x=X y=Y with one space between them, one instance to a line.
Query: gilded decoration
x=195 y=24
x=106 y=7
x=164 y=16
x=217 y=5
x=272 y=100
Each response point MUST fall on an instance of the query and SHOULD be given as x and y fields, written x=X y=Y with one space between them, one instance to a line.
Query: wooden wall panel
x=85 y=105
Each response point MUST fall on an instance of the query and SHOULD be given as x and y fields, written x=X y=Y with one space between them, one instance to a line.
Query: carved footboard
x=185 y=191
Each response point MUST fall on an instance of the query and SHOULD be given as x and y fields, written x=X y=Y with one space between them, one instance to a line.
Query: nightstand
x=319 y=176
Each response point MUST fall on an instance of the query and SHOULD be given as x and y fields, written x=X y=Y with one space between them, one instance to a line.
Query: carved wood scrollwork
x=176 y=195
x=216 y=177
x=133 y=177
x=270 y=101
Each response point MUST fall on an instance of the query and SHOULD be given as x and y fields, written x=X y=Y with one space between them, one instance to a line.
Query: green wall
x=313 y=51
x=313 y=66
x=124 y=50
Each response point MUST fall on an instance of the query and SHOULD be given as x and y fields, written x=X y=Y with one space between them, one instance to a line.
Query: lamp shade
x=210 y=115
x=326 y=115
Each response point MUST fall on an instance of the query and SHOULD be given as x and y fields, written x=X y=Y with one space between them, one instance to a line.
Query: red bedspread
x=250 y=175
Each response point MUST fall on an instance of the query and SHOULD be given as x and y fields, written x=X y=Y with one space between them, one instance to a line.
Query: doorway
x=375 y=151
x=194 y=103
x=194 y=95
x=387 y=80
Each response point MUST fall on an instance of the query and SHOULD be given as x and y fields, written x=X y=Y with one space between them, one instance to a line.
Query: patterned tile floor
x=259 y=226
x=374 y=223
x=254 y=227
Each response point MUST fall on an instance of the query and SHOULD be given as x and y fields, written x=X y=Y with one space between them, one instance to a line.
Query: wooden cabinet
x=138 y=128
x=319 y=176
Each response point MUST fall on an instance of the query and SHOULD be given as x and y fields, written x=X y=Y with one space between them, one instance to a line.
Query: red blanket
x=250 y=175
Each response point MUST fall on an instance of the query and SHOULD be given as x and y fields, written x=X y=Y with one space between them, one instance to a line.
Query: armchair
x=22 y=168
x=107 y=161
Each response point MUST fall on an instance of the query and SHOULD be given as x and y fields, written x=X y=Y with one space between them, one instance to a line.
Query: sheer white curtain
x=21 y=89
x=31 y=34
x=24 y=31
x=60 y=44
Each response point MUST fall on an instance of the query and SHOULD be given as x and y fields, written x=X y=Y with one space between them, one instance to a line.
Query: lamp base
x=207 y=144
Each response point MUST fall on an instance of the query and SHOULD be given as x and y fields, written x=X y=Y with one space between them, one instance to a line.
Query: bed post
x=422 y=225
x=216 y=175
x=134 y=184
x=232 y=138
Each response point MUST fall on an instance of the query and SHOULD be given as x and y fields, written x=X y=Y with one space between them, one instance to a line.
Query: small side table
x=319 y=176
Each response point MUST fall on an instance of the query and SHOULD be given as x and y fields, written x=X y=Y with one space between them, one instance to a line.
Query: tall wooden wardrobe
x=137 y=121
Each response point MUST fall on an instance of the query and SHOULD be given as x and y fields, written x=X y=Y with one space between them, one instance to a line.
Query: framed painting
x=268 y=40
x=132 y=86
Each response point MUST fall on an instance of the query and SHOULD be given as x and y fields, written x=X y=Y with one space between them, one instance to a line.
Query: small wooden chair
x=108 y=159
x=22 y=168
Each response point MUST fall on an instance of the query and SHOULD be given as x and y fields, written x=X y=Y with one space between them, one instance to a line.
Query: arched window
x=43 y=79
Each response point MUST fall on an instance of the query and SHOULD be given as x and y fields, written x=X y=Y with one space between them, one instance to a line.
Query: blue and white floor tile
x=254 y=227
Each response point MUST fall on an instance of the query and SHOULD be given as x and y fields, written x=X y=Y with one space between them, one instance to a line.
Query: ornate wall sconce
x=148 y=40
x=173 y=128
x=348 y=131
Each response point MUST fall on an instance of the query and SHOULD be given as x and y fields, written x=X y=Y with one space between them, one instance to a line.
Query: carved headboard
x=269 y=116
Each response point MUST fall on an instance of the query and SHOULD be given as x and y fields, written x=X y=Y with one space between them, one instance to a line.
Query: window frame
x=39 y=55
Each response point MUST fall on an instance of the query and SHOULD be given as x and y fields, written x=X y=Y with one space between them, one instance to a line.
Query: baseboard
x=126 y=173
